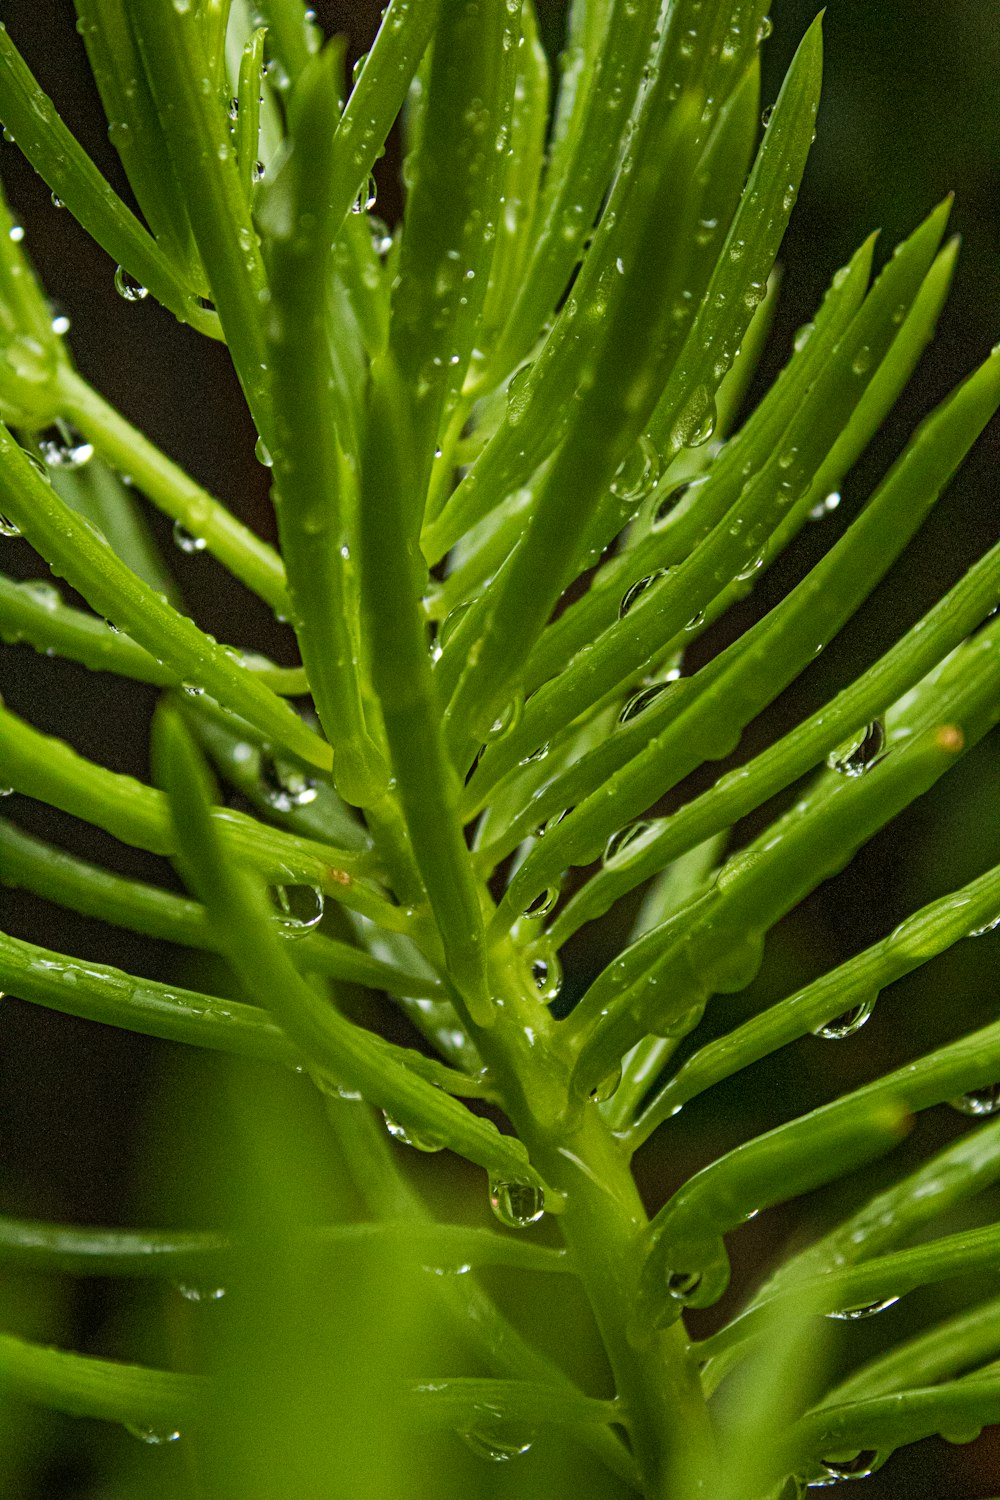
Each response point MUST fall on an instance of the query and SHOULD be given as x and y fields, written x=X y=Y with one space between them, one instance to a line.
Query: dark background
x=909 y=113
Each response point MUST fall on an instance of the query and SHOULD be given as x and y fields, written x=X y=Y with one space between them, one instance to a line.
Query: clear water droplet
x=186 y=540
x=825 y=506
x=516 y=1204
x=979 y=1102
x=858 y=754
x=16 y=230
x=607 y=1087
x=367 y=196
x=548 y=977
x=840 y=1469
x=126 y=286
x=299 y=909
x=861 y=362
x=154 y=1436
x=765 y=29
x=262 y=453
x=703 y=430
x=765 y=118
x=257 y=172
x=637 y=589
x=500 y=1443
x=234 y=108
x=284 y=787
x=8 y=527
x=507 y=720
x=670 y=502
x=682 y=1285
x=193 y=1291
x=749 y=569
x=853 y=1314
x=990 y=926
x=517 y=394
x=539 y=754
x=642 y=700
x=356 y=69
x=541 y=903
x=638 y=473
x=848 y=1022
x=407 y=1136
x=628 y=842
x=696 y=620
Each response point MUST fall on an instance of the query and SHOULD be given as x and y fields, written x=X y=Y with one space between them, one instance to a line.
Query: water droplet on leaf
x=858 y=754
x=186 y=540
x=847 y=1023
x=299 y=909
x=407 y=1136
x=516 y=1204
x=126 y=286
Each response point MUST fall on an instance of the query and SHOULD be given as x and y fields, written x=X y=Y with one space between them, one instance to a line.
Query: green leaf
x=353 y=1058
x=314 y=468
x=459 y=1404
x=959 y=1343
x=75 y=552
x=57 y=157
x=84 y=1386
x=854 y=984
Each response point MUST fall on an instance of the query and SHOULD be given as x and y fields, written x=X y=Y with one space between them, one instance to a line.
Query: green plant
x=506 y=511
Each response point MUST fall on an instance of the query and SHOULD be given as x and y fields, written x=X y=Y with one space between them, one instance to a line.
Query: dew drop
x=853 y=1314
x=541 y=903
x=696 y=620
x=669 y=503
x=498 y=1444
x=858 y=754
x=8 y=527
x=753 y=566
x=367 y=195
x=682 y=1285
x=847 y=1023
x=862 y=360
x=990 y=926
x=607 y=1087
x=407 y=1136
x=234 y=108
x=637 y=589
x=154 y=1436
x=516 y=1204
x=627 y=843
x=539 y=754
x=505 y=721
x=548 y=977
x=126 y=286
x=193 y=1291
x=765 y=29
x=825 y=506
x=356 y=69
x=639 y=472
x=704 y=429
x=186 y=540
x=16 y=230
x=284 y=787
x=984 y=1101
x=517 y=394
x=642 y=700
x=257 y=172
x=841 y=1469
x=262 y=453
x=765 y=118
x=299 y=909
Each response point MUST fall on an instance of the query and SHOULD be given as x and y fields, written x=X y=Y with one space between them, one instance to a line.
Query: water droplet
x=682 y=1285
x=498 y=1444
x=516 y=1204
x=548 y=977
x=284 y=787
x=753 y=566
x=704 y=429
x=505 y=721
x=192 y=689
x=367 y=195
x=840 y=1469
x=186 y=540
x=419 y=1140
x=990 y=926
x=628 y=842
x=607 y=1087
x=824 y=507
x=639 y=472
x=765 y=118
x=635 y=592
x=126 y=286
x=858 y=754
x=153 y=1435
x=517 y=394
x=853 y=1314
x=60 y=324
x=539 y=754
x=299 y=909
x=45 y=594
x=642 y=700
x=765 y=29
x=541 y=903
x=696 y=620
x=356 y=69
x=848 y=1022
x=8 y=527
x=984 y=1101
x=862 y=360
x=262 y=453
x=670 y=502
x=16 y=230
x=196 y=1292
x=257 y=172
x=234 y=108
